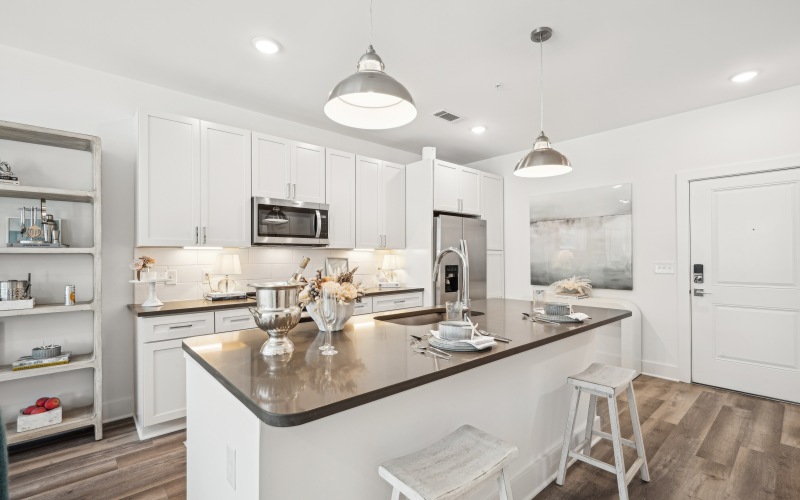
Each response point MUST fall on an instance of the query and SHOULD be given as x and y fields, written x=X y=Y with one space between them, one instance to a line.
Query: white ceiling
x=609 y=64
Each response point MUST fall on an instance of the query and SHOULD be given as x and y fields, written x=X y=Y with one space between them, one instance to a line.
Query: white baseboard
x=117 y=409
x=660 y=370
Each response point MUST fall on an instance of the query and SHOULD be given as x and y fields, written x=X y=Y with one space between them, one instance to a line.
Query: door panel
x=393 y=205
x=164 y=401
x=308 y=173
x=470 y=191
x=745 y=232
x=271 y=166
x=340 y=182
x=492 y=210
x=446 y=187
x=368 y=185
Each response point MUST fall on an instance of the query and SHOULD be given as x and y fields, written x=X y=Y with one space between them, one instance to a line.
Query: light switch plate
x=172 y=276
x=664 y=268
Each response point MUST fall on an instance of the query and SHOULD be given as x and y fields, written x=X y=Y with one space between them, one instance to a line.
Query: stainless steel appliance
x=289 y=222
x=448 y=231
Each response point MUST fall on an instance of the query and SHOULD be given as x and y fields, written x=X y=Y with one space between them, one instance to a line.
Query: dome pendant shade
x=542 y=161
x=370 y=99
x=275 y=217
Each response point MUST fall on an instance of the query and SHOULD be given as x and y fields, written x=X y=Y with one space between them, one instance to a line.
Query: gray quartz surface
x=193 y=306
x=374 y=360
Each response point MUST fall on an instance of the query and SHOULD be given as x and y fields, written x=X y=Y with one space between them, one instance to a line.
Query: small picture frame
x=336 y=264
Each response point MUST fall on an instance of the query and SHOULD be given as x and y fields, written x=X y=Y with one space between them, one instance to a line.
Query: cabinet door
x=393 y=205
x=492 y=209
x=470 y=181
x=340 y=191
x=224 y=185
x=271 y=158
x=164 y=379
x=446 y=186
x=167 y=180
x=368 y=187
x=495 y=274
x=308 y=173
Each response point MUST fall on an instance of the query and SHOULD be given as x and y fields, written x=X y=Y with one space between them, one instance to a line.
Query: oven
x=289 y=222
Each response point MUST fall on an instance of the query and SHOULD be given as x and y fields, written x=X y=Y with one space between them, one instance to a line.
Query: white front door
x=745 y=233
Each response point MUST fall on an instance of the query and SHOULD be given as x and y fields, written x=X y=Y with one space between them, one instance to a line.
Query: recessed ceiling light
x=478 y=129
x=266 y=45
x=744 y=77
x=625 y=201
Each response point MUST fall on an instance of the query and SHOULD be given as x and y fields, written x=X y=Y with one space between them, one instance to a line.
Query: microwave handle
x=319 y=224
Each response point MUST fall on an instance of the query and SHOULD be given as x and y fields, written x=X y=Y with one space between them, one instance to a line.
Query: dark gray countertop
x=193 y=306
x=374 y=360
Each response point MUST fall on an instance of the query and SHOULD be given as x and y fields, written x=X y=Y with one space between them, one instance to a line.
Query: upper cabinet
x=492 y=213
x=192 y=182
x=287 y=169
x=456 y=189
x=340 y=189
x=380 y=204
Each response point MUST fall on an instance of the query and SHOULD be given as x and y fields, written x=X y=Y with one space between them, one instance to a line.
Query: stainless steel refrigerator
x=448 y=231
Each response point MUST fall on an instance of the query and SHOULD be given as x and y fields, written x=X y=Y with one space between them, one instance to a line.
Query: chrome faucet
x=463 y=254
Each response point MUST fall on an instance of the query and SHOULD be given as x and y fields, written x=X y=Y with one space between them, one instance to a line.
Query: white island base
x=522 y=399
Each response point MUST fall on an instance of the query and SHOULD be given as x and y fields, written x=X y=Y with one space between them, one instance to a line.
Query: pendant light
x=542 y=160
x=275 y=217
x=369 y=98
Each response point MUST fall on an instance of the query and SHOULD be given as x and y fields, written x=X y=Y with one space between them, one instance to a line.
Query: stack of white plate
x=461 y=345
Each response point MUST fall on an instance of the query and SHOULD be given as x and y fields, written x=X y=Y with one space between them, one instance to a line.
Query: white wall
x=46 y=92
x=649 y=155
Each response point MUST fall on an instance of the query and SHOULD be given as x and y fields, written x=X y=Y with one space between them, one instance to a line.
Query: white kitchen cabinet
x=167 y=180
x=287 y=169
x=192 y=183
x=380 y=204
x=456 y=188
x=230 y=320
x=363 y=307
x=495 y=274
x=492 y=209
x=394 y=301
x=340 y=188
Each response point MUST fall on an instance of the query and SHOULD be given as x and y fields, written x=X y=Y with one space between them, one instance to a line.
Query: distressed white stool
x=451 y=467
x=606 y=382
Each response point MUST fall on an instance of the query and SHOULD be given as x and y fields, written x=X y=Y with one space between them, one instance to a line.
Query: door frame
x=684 y=179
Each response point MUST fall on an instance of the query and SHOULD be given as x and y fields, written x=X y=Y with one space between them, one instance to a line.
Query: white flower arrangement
x=342 y=283
x=575 y=285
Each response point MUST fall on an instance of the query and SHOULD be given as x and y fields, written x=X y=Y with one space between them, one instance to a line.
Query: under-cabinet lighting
x=617 y=186
x=363 y=249
x=202 y=248
x=625 y=201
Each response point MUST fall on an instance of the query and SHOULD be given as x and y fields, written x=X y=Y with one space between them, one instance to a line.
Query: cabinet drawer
x=396 y=301
x=174 y=327
x=365 y=307
x=232 y=320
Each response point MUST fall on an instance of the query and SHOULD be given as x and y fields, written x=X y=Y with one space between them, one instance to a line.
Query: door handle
x=289 y=190
x=294 y=191
x=196 y=235
x=699 y=292
x=205 y=234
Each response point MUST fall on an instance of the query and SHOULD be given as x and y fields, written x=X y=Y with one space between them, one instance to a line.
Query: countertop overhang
x=374 y=360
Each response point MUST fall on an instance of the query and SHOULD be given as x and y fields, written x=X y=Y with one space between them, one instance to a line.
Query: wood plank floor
x=702 y=443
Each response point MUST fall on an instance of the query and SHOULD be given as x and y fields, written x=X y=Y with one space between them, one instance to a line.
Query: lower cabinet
x=363 y=307
x=391 y=302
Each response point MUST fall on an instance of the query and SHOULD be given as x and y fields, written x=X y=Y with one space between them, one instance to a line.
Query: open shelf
x=33 y=192
x=73 y=418
x=46 y=250
x=49 y=309
x=78 y=362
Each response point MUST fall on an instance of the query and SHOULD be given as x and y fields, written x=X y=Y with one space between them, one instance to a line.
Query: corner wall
x=649 y=155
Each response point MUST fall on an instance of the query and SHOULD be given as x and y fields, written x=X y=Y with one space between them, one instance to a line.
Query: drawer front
x=365 y=307
x=177 y=326
x=233 y=319
x=396 y=301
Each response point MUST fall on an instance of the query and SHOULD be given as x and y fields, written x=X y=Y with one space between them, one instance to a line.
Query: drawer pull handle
x=174 y=327
x=240 y=319
x=399 y=301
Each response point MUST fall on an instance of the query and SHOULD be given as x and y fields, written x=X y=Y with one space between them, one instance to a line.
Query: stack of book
x=27 y=362
x=8 y=178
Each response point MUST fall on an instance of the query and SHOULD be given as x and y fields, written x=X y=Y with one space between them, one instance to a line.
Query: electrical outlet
x=664 y=268
x=230 y=468
x=206 y=276
x=172 y=276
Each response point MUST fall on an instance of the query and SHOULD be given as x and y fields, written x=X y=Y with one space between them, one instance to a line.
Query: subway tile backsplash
x=258 y=264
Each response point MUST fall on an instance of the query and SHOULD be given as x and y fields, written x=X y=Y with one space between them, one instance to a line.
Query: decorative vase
x=343 y=313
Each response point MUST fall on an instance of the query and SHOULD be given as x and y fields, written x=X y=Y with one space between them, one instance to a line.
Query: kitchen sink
x=420 y=317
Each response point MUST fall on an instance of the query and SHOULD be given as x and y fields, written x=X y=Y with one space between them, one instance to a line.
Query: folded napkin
x=579 y=316
x=478 y=341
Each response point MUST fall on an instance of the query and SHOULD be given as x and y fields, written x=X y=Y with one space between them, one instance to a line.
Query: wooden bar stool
x=607 y=382
x=451 y=467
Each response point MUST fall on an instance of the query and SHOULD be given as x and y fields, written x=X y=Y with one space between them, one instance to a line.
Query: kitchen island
x=311 y=426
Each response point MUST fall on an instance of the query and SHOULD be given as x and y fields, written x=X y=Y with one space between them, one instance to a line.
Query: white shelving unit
x=73 y=418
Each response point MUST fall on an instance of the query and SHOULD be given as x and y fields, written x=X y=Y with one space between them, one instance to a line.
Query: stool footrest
x=593 y=461
x=605 y=435
x=637 y=464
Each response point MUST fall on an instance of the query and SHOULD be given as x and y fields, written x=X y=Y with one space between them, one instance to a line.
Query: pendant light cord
x=541 y=86
x=370 y=23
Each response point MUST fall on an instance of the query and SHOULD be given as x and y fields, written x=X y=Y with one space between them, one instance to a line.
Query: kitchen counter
x=374 y=360
x=192 y=306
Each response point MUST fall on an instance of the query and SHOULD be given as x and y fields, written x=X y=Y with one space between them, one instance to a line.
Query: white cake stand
x=152 y=300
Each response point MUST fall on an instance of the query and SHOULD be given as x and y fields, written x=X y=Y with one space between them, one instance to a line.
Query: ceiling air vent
x=446 y=115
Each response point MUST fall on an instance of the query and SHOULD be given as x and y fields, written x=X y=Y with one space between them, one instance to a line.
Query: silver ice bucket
x=276 y=313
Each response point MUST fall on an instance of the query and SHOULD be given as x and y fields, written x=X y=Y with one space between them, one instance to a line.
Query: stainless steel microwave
x=289 y=222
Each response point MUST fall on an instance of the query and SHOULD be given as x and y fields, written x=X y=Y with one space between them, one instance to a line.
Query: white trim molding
x=683 y=180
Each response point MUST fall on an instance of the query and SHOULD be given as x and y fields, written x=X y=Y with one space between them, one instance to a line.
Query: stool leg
x=619 y=460
x=644 y=472
x=395 y=493
x=573 y=409
x=505 y=485
x=587 y=450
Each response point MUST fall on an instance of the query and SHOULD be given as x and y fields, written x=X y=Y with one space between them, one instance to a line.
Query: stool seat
x=450 y=467
x=604 y=378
